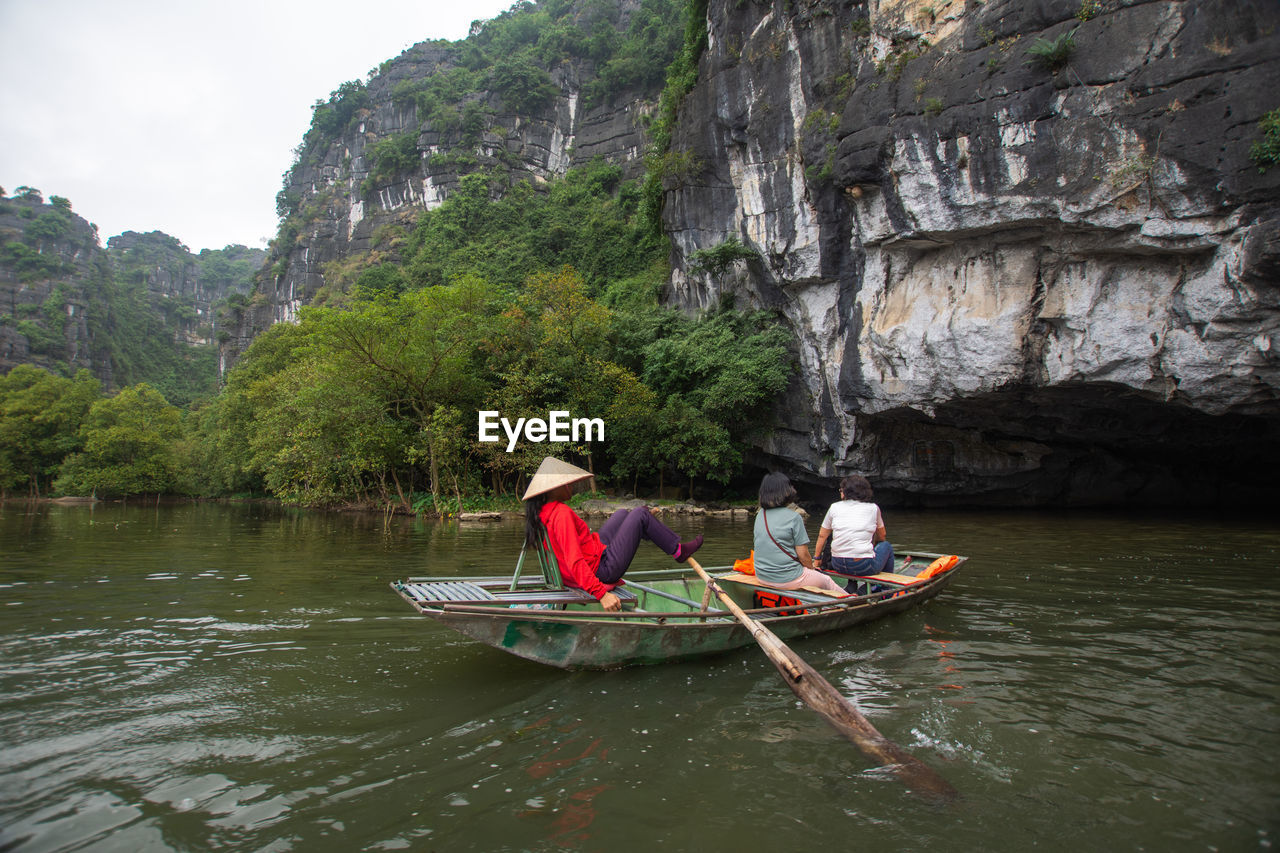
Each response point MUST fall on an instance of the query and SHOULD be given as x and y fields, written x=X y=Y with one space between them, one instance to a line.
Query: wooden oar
x=818 y=693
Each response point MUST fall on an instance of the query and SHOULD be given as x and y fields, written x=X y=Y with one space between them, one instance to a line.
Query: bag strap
x=765 y=514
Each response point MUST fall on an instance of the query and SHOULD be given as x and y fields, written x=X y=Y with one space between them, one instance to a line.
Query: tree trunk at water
x=435 y=477
x=404 y=502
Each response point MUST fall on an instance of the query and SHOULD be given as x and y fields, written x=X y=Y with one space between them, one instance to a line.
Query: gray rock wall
x=63 y=310
x=1010 y=284
x=350 y=220
x=44 y=315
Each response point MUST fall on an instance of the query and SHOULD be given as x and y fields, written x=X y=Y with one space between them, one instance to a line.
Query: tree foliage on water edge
x=377 y=401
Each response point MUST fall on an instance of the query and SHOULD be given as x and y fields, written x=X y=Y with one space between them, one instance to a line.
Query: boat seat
x=556 y=593
x=752 y=580
x=890 y=577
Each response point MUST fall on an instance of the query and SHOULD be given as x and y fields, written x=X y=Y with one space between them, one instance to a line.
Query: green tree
x=695 y=444
x=40 y=418
x=556 y=353
x=226 y=429
x=634 y=419
x=421 y=353
x=322 y=435
x=726 y=364
x=129 y=442
x=716 y=377
x=505 y=234
x=393 y=156
x=523 y=87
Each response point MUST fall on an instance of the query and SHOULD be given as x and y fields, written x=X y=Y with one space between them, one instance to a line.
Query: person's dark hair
x=855 y=488
x=776 y=490
x=534 y=529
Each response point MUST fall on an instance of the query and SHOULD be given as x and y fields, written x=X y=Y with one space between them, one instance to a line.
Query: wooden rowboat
x=667 y=614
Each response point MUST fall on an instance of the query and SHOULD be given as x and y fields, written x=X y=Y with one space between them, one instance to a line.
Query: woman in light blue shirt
x=782 y=558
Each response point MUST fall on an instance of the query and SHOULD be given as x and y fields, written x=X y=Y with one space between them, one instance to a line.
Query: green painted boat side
x=583 y=636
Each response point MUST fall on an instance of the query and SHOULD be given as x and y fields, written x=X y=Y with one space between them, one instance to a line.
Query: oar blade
x=820 y=695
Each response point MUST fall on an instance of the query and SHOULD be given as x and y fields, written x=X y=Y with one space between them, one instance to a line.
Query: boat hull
x=591 y=638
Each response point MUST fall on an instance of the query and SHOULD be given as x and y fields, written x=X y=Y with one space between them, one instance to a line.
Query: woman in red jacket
x=591 y=561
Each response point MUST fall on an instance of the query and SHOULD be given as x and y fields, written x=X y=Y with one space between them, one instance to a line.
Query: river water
x=232 y=677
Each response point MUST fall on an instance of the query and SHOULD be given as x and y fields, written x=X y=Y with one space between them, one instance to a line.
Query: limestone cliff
x=52 y=271
x=1024 y=247
x=142 y=309
x=353 y=200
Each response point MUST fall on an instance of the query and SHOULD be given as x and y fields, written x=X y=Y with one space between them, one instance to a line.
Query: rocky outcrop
x=66 y=303
x=184 y=288
x=52 y=277
x=1024 y=247
x=352 y=215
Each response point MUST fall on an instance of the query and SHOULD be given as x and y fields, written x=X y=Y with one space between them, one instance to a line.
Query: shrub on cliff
x=1266 y=150
x=1053 y=54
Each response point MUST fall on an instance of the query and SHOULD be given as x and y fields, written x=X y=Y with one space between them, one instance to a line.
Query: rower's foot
x=685 y=549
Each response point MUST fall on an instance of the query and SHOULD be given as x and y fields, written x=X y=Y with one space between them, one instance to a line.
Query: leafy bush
x=330 y=118
x=523 y=87
x=1053 y=54
x=719 y=258
x=393 y=156
x=639 y=60
x=1266 y=151
x=587 y=220
x=30 y=264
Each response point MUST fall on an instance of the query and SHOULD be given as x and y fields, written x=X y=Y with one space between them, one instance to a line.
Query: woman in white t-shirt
x=859 y=543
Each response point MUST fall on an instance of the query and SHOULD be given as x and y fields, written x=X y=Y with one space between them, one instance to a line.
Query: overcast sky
x=182 y=115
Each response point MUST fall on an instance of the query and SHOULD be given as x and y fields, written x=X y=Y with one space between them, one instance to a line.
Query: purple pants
x=621 y=535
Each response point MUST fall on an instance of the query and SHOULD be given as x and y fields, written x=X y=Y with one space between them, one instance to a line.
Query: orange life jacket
x=939 y=566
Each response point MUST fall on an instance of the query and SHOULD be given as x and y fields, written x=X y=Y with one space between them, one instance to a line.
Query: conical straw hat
x=552 y=473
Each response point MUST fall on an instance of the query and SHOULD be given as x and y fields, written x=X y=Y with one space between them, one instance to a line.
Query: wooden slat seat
x=752 y=580
x=466 y=592
x=890 y=577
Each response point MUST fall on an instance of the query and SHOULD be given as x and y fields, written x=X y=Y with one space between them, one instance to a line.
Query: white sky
x=182 y=115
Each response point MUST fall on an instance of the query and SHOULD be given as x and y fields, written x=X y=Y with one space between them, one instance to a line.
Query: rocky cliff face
x=1024 y=247
x=52 y=273
x=351 y=214
x=184 y=288
x=67 y=303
